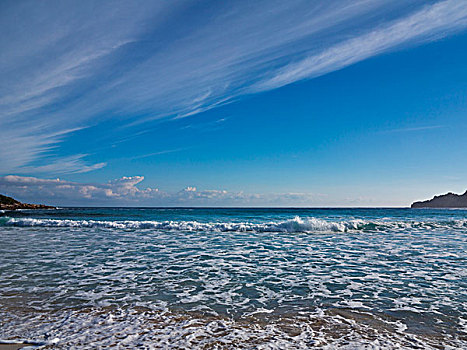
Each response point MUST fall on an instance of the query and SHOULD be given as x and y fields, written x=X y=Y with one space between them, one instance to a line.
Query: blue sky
x=336 y=103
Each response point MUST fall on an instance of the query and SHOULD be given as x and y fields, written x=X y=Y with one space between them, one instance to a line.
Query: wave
x=296 y=224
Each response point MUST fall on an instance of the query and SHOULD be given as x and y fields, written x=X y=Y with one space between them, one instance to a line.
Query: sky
x=233 y=103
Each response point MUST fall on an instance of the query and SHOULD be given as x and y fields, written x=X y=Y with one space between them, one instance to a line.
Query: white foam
x=296 y=224
x=154 y=330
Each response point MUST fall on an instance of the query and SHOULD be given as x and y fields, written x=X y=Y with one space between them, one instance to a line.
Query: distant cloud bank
x=126 y=192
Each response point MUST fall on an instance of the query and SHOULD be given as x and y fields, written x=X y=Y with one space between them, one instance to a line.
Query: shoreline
x=112 y=326
x=15 y=345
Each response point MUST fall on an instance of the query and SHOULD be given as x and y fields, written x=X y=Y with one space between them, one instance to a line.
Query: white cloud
x=125 y=191
x=49 y=190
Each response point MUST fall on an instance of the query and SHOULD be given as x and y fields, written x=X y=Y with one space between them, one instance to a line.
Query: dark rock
x=8 y=203
x=449 y=200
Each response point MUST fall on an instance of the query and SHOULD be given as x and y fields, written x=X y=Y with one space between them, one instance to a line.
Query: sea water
x=154 y=278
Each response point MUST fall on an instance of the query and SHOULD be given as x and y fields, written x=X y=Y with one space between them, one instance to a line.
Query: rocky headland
x=8 y=203
x=449 y=200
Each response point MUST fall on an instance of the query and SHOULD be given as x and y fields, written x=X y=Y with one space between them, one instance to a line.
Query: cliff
x=449 y=200
x=8 y=203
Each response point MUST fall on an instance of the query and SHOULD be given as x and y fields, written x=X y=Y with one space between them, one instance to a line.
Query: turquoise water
x=234 y=278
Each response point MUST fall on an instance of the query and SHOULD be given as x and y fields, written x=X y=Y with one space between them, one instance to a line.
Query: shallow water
x=235 y=278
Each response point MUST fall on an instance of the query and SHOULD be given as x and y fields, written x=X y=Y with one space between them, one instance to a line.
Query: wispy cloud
x=210 y=125
x=416 y=128
x=430 y=23
x=21 y=147
x=152 y=154
x=65 y=65
x=74 y=164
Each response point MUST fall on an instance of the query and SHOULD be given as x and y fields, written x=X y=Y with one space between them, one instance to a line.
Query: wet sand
x=13 y=346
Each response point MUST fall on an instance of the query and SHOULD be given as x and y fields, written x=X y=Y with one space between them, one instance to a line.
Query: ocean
x=204 y=278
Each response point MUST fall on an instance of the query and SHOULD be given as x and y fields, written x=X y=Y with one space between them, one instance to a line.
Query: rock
x=8 y=203
x=449 y=200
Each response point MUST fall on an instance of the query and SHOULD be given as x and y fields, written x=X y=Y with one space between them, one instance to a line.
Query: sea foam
x=297 y=224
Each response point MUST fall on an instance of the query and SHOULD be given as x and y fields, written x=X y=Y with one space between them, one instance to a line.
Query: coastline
x=9 y=203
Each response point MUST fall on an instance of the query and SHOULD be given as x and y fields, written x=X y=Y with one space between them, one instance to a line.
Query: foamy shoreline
x=139 y=326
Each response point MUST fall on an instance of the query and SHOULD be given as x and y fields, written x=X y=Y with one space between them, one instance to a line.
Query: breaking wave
x=296 y=224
